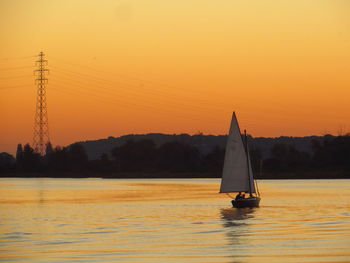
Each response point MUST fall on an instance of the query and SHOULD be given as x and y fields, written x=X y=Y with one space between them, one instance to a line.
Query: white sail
x=237 y=172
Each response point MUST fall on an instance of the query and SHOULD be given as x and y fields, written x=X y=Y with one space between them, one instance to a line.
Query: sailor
x=239 y=196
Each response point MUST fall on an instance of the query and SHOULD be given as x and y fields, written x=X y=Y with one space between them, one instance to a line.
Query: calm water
x=96 y=220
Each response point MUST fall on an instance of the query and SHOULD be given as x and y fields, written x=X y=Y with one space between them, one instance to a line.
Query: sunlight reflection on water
x=183 y=220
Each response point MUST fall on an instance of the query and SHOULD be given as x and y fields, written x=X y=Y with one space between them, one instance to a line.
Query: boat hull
x=246 y=202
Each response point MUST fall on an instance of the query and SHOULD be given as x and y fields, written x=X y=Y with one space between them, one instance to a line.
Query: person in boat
x=240 y=196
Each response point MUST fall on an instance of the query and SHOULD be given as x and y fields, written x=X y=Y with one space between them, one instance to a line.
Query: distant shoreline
x=265 y=176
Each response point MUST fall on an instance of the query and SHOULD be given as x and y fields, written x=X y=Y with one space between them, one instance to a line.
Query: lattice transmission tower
x=41 y=122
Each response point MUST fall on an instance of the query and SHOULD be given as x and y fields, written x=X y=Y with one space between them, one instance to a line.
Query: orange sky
x=120 y=67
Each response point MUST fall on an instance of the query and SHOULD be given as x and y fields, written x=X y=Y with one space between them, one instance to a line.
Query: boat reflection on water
x=236 y=222
x=236 y=217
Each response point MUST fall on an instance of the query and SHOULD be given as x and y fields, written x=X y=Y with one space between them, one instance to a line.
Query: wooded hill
x=161 y=155
x=204 y=143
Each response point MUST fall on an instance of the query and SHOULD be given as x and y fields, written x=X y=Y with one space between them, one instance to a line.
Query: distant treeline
x=330 y=157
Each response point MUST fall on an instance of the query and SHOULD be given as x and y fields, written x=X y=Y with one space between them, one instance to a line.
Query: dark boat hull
x=246 y=202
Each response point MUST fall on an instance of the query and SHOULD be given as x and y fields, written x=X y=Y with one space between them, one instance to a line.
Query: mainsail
x=237 y=173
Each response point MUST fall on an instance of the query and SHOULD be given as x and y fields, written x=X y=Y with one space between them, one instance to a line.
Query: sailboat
x=237 y=175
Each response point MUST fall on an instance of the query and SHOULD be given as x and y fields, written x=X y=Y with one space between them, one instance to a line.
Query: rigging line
x=256 y=186
x=229 y=195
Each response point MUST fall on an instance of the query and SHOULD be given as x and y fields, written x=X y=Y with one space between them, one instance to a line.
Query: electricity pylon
x=41 y=123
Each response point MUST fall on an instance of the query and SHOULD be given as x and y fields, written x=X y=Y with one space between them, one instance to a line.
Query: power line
x=123 y=103
x=12 y=68
x=148 y=99
x=16 y=58
x=16 y=77
x=154 y=84
x=163 y=96
x=13 y=87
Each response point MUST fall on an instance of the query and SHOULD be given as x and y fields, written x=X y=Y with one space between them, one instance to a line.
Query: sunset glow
x=120 y=67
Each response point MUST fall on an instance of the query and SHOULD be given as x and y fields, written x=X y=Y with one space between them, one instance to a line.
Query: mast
x=247 y=157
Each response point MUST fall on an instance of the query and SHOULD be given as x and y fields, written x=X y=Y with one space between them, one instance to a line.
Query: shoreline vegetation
x=264 y=176
x=184 y=156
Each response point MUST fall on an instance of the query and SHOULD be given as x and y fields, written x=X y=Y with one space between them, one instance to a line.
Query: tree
x=48 y=149
x=214 y=160
x=7 y=162
x=30 y=161
x=178 y=157
x=102 y=165
x=256 y=159
x=286 y=158
x=58 y=160
x=135 y=156
x=19 y=156
x=77 y=157
x=332 y=153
